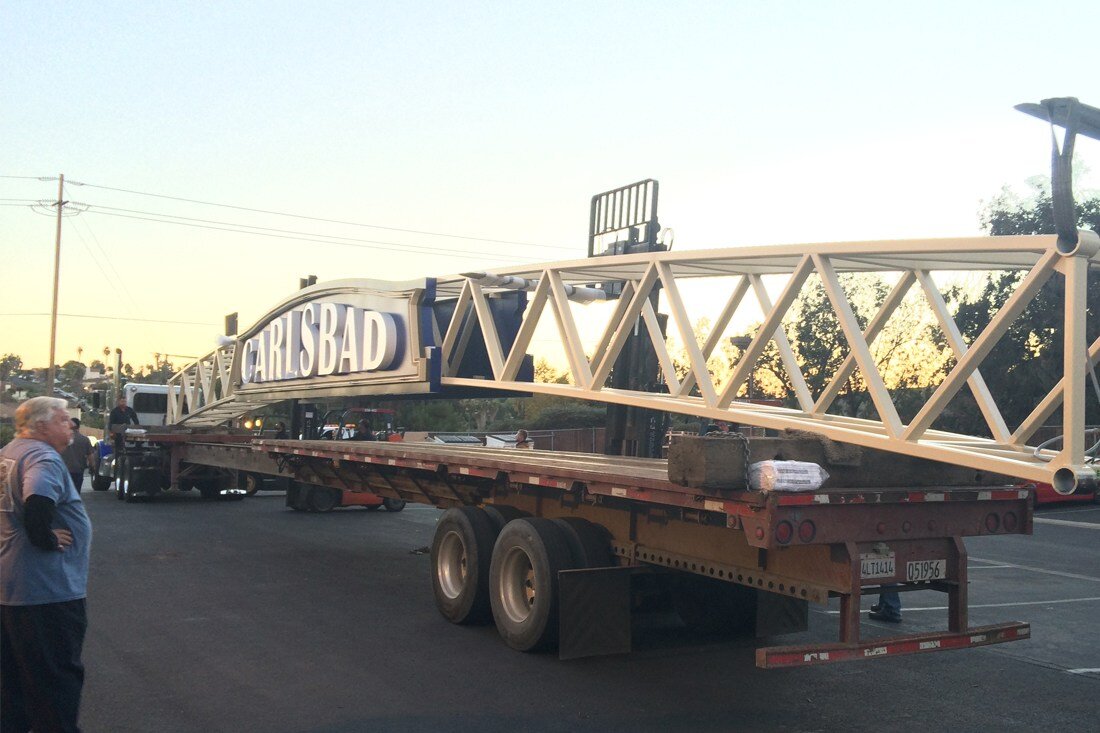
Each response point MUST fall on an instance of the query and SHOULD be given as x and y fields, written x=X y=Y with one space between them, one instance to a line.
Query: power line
x=118 y=278
x=429 y=249
x=317 y=218
x=399 y=248
x=117 y=281
x=111 y=318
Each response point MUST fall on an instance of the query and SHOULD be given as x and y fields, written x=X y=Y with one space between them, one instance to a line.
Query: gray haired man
x=45 y=539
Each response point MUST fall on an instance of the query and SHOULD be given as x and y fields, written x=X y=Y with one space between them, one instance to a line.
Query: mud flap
x=594 y=612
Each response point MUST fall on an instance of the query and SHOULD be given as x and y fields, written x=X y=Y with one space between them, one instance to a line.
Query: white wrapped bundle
x=786 y=476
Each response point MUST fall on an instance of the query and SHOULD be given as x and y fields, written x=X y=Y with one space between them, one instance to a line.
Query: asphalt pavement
x=246 y=616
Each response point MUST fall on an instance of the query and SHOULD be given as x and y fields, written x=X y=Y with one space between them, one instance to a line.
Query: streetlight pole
x=51 y=373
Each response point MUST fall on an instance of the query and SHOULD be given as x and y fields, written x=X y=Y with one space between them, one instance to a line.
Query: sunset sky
x=465 y=136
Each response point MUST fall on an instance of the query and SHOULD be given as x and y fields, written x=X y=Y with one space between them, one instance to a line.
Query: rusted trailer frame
x=805 y=547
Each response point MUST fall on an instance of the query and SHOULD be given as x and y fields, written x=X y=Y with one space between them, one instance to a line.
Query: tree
x=9 y=364
x=71 y=376
x=1027 y=360
x=159 y=374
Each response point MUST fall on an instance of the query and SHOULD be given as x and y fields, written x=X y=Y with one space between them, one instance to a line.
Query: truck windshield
x=145 y=402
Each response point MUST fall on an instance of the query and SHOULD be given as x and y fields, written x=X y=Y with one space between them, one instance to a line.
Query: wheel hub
x=452 y=565
x=517 y=588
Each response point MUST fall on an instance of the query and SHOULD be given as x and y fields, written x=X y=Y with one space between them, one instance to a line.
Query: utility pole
x=51 y=373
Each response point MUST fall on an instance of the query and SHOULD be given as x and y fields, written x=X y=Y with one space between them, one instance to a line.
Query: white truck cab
x=149 y=401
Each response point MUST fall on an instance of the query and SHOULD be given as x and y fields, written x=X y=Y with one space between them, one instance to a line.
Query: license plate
x=874 y=565
x=922 y=570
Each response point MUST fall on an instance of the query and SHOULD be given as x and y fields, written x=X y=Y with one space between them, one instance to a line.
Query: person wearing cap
x=78 y=455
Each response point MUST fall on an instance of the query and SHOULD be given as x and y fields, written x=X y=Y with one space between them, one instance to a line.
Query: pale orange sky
x=763 y=124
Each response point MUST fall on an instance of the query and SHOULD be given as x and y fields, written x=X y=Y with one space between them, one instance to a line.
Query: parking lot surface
x=246 y=616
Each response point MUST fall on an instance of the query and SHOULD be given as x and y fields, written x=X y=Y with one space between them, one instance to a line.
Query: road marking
x=1075 y=510
x=1084 y=670
x=1066 y=523
x=1059 y=573
x=987 y=567
x=999 y=605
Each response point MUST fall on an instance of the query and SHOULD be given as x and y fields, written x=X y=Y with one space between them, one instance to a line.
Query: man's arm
x=37 y=518
x=42 y=482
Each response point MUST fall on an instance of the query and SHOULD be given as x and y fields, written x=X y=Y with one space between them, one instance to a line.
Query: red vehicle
x=1045 y=494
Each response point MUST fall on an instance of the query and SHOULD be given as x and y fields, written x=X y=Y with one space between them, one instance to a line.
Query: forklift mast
x=624 y=221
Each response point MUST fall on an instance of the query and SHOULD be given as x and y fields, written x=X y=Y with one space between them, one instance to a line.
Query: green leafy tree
x=1027 y=361
x=70 y=376
x=155 y=374
x=9 y=364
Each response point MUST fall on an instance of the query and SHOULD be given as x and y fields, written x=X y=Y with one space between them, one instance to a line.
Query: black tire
x=127 y=480
x=322 y=499
x=393 y=505
x=250 y=483
x=501 y=514
x=523 y=582
x=118 y=469
x=714 y=607
x=462 y=551
x=589 y=543
x=101 y=483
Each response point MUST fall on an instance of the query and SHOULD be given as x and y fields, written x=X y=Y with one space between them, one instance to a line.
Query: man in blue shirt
x=45 y=539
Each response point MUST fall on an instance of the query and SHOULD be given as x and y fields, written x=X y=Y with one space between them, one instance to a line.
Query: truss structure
x=202 y=393
x=742 y=270
x=560 y=291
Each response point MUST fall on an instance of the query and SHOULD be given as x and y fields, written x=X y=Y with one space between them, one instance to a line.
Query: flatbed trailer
x=761 y=556
x=549 y=545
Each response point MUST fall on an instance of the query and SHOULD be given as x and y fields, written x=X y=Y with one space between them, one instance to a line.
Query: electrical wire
x=414 y=247
x=116 y=282
x=112 y=318
x=379 y=246
x=317 y=218
x=118 y=278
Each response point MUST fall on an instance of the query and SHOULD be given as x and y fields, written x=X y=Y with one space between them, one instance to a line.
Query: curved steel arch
x=208 y=388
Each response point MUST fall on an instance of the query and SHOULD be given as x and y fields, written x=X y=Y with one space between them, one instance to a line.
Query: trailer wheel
x=523 y=581
x=118 y=469
x=501 y=514
x=393 y=505
x=462 y=549
x=590 y=544
x=127 y=482
x=250 y=483
x=322 y=499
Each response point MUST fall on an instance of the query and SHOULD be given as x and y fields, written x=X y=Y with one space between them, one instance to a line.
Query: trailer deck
x=803 y=547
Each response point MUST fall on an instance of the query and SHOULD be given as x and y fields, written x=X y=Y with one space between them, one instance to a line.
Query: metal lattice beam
x=207 y=386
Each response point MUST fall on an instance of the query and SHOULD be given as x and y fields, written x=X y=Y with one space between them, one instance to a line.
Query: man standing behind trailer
x=77 y=456
x=45 y=539
x=122 y=414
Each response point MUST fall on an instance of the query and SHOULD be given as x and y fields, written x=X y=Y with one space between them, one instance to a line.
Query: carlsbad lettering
x=319 y=340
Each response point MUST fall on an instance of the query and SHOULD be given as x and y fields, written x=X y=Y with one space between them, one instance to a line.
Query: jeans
x=889 y=603
x=42 y=673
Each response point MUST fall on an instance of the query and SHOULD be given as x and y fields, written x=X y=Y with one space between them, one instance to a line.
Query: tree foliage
x=1027 y=361
x=9 y=364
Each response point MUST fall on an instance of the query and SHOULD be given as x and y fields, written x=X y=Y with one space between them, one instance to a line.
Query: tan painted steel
x=207 y=386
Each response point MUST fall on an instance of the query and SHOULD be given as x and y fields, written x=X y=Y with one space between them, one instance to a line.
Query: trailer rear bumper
x=801 y=656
